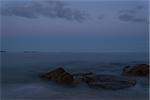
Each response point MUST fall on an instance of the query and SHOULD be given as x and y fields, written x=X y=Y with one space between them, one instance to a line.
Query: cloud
x=139 y=7
x=35 y=9
x=100 y=17
x=131 y=18
x=131 y=15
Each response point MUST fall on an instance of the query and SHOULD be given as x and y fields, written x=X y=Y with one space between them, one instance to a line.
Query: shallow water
x=20 y=71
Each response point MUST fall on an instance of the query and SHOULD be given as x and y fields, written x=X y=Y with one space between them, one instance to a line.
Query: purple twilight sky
x=75 y=26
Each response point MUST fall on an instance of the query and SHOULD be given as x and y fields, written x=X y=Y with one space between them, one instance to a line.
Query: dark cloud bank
x=59 y=9
x=35 y=9
x=129 y=15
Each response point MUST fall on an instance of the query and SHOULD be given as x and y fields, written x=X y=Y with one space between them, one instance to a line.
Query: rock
x=84 y=77
x=84 y=74
x=89 y=79
x=111 y=82
x=59 y=75
x=137 y=70
x=92 y=80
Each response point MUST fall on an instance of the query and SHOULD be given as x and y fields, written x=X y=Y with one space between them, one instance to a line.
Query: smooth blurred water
x=20 y=71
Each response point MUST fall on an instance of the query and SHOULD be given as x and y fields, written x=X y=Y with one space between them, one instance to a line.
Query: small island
x=30 y=51
x=2 y=51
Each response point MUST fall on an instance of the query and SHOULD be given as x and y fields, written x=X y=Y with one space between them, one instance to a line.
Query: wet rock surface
x=58 y=75
x=110 y=82
x=137 y=70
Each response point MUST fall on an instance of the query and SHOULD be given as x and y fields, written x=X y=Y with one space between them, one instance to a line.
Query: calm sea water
x=19 y=75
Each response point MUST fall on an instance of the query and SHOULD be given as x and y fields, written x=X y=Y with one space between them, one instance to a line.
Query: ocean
x=20 y=70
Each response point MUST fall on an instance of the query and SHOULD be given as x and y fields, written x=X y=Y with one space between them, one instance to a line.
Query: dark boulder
x=137 y=70
x=59 y=75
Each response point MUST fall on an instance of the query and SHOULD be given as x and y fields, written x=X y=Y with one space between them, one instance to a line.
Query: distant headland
x=2 y=51
x=31 y=51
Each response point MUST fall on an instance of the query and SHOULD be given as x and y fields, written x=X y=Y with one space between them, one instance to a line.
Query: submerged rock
x=59 y=75
x=84 y=77
x=111 y=82
x=137 y=70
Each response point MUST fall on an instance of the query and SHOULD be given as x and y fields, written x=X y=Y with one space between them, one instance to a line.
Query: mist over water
x=20 y=79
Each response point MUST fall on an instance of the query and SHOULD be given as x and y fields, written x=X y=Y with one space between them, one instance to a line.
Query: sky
x=75 y=26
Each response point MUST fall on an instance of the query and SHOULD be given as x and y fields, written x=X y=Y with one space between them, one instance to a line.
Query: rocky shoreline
x=92 y=80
